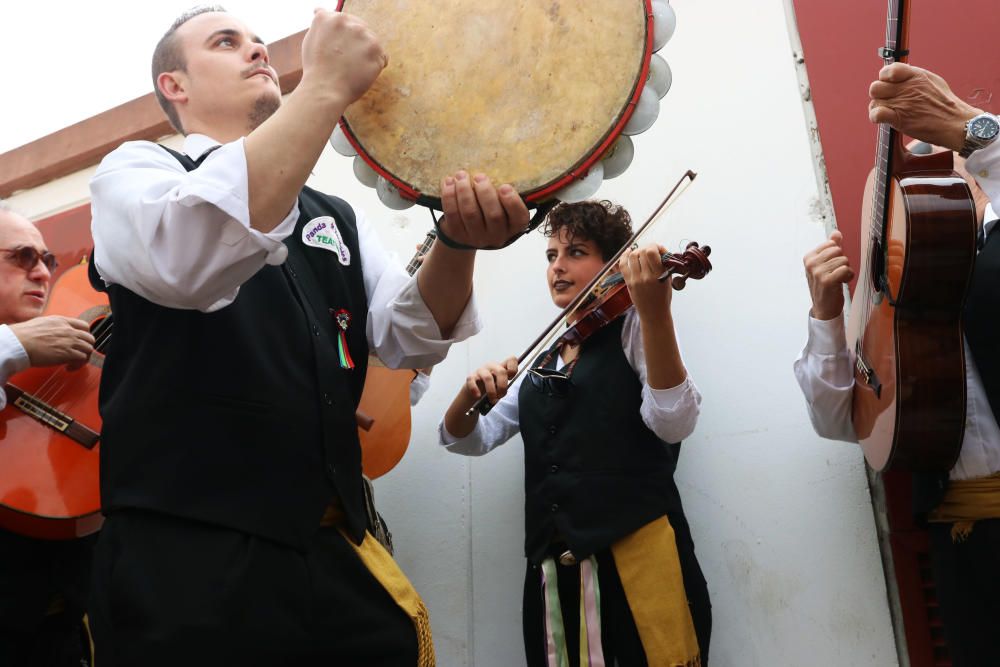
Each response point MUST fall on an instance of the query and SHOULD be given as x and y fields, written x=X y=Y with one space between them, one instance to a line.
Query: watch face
x=984 y=127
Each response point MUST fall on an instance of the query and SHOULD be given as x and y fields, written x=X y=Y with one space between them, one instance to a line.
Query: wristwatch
x=980 y=132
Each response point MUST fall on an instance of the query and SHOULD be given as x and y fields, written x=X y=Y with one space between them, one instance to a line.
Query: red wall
x=960 y=40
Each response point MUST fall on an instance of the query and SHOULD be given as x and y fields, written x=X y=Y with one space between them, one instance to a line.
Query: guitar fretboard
x=895 y=41
x=414 y=264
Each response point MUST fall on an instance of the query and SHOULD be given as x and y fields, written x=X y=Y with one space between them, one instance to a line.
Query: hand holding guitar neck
x=920 y=104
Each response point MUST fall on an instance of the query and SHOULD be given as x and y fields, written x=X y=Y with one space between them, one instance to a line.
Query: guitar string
x=49 y=391
x=880 y=194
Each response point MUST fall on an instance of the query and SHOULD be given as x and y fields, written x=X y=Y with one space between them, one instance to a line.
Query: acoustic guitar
x=50 y=430
x=384 y=411
x=918 y=249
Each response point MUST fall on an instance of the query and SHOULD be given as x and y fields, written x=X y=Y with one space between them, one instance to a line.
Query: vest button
x=552 y=430
x=555 y=507
x=315 y=330
x=554 y=468
x=327 y=399
x=331 y=469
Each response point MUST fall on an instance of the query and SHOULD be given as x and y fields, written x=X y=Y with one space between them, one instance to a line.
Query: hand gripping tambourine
x=541 y=94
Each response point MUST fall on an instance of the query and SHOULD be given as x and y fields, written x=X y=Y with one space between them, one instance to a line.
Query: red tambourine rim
x=538 y=195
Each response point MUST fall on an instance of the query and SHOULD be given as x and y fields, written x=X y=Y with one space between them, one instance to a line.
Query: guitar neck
x=895 y=50
x=425 y=247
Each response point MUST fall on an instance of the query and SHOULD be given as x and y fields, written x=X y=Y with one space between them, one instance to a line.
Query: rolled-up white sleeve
x=984 y=166
x=824 y=373
x=672 y=413
x=419 y=385
x=401 y=329
x=13 y=359
x=177 y=238
x=492 y=430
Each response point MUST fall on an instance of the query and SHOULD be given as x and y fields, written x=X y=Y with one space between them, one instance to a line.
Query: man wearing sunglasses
x=43 y=583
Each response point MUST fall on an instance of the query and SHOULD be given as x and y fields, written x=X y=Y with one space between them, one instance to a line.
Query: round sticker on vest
x=323 y=233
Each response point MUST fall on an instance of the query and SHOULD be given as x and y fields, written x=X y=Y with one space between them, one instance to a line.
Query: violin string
x=679 y=189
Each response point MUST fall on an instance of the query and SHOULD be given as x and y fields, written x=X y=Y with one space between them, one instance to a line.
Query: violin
x=612 y=298
x=606 y=305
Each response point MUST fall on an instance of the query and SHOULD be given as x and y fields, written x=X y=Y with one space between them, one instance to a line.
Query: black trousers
x=619 y=635
x=35 y=574
x=967 y=578
x=168 y=591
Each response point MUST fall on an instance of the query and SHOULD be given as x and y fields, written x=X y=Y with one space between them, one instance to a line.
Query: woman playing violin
x=611 y=573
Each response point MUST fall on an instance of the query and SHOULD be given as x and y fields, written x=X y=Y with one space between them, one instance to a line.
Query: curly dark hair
x=606 y=224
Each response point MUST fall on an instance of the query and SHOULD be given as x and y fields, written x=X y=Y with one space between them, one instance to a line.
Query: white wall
x=782 y=520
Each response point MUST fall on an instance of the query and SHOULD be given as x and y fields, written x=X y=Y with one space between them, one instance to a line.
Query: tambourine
x=542 y=95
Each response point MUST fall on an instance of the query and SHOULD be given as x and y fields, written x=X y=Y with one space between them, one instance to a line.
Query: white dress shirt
x=825 y=368
x=418 y=386
x=13 y=359
x=669 y=413
x=984 y=166
x=183 y=240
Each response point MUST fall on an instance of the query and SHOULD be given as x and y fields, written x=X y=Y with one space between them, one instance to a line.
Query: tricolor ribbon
x=343 y=319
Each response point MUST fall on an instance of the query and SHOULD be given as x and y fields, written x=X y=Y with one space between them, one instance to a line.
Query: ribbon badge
x=343 y=319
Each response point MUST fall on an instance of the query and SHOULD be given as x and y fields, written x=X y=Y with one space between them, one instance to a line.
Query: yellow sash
x=385 y=570
x=967 y=501
x=650 y=571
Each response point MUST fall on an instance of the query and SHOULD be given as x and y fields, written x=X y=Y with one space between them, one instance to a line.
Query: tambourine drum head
x=523 y=90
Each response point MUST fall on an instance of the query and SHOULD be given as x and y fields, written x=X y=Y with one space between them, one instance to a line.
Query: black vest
x=981 y=320
x=593 y=471
x=242 y=417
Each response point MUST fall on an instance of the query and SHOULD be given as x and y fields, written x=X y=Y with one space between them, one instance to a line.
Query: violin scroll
x=693 y=263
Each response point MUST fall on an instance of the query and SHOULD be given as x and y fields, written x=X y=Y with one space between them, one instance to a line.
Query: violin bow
x=482 y=404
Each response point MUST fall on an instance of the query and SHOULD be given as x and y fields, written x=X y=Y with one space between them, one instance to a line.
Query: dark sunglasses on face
x=27 y=258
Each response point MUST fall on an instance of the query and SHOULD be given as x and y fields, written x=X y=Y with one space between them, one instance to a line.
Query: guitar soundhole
x=877 y=265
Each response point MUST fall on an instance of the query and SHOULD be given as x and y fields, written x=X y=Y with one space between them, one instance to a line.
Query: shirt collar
x=196 y=145
x=990 y=218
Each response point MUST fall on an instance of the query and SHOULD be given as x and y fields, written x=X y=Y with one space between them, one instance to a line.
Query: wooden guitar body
x=385 y=408
x=383 y=412
x=49 y=430
x=906 y=318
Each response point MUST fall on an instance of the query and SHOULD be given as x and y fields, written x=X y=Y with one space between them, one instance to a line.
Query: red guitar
x=50 y=430
x=919 y=245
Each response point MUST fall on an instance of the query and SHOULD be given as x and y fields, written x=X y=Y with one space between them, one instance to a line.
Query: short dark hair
x=606 y=224
x=168 y=57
